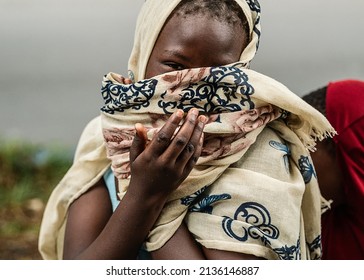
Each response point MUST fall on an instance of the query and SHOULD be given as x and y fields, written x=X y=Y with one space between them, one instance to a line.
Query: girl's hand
x=122 y=80
x=160 y=167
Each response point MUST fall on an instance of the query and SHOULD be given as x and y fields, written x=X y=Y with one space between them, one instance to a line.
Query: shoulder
x=91 y=137
x=269 y=155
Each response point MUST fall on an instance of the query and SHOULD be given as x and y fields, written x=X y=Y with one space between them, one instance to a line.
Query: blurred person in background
x=339 y=164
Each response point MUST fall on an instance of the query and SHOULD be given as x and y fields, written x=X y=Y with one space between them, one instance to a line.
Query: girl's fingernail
x=202 y=119
x=193 y=114
x=195 y=111
x=179 y=113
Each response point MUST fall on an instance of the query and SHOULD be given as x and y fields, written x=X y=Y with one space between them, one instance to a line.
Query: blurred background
x=53 y=55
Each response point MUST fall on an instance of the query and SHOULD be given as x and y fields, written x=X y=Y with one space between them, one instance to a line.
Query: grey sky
x=54 y=53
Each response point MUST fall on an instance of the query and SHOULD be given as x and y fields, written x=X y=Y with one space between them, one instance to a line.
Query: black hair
x=223 y=10
x=317 y=99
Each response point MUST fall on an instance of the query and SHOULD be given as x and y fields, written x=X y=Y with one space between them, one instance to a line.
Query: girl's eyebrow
x=176 y=53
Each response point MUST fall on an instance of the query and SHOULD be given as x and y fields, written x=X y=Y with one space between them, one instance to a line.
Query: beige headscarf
x=149 y=25
x=91 y=160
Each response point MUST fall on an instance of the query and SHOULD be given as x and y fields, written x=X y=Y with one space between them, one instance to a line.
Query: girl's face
x=195 y=41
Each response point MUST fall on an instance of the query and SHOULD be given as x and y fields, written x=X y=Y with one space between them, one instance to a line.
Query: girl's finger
x=182 y=140
x=193 y=159
x=139 y=142
x=163 y=138
x=128 y=81
x=194 y=144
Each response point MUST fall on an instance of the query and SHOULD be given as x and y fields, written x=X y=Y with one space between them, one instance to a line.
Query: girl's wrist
x=139 y=194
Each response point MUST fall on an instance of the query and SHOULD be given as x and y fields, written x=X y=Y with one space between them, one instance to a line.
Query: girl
x=340 y=168
x=169 y=192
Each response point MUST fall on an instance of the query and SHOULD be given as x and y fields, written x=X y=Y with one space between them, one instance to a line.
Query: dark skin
x=195 y=41
x=329 y=174
x=208 y=43
x=119 y=235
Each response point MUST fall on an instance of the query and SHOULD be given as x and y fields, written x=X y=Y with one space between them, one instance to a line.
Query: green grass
x=28 y=174
x=30 y=171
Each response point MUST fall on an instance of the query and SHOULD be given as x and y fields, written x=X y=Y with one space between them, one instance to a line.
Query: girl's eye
x=174 y=66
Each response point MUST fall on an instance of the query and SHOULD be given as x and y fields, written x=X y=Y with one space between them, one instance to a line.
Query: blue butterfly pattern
x=306 y=168
x=189 y=199
x=205 y=204
x=284 y=148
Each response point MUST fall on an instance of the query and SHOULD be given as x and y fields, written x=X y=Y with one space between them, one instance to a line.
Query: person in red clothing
x=339 y=165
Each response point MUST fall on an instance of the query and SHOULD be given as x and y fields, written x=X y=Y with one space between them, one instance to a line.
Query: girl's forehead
x=154 y=16
x=201 y=28
x=200 y=41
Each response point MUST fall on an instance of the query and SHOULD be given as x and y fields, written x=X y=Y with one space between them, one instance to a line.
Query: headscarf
x=343 y=226
x=91 y=160
x=149 y=25
x=240 y=103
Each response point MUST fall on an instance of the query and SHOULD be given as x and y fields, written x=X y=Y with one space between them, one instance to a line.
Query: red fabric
x=343 y=227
